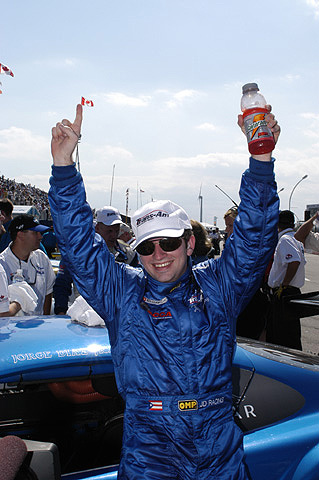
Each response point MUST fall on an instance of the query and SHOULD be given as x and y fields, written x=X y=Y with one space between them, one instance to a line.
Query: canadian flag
x=4 y=69
x=88 y=103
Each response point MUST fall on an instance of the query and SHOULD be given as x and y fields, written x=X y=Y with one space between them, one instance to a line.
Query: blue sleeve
x=237 y=274
x=101 y=281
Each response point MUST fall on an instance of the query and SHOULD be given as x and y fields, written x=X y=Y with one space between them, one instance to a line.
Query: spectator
x=305 y=235
x=62 y=290
x=49 y=242
x=125 y=233
x=24 y=253
x=108 y=226
x=286 y=277
x=21 y=194
x=171 y=326
x=6 y=209
x=203 y=247
x=216 y=238
x=15 y=298
x=229 y=219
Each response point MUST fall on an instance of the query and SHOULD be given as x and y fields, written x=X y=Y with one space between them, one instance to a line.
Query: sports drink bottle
x=253 y=105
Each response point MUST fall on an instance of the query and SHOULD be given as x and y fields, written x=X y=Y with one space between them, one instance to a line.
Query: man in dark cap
x=286 y=277
x=24 y=253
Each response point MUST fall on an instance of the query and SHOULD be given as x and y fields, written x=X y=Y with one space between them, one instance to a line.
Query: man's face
x=167 y=267
x=229 y=225
x=109 y=233
x=126 y=237
x=31 y=240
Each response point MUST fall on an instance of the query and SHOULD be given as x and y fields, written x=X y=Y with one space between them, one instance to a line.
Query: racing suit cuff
x=261 y=171
x=65 y=175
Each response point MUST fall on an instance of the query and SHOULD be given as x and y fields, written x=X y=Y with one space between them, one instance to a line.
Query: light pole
x=292 y=191
x=200 y=198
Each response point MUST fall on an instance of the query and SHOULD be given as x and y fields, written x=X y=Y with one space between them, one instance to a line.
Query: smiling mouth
x=162 y=265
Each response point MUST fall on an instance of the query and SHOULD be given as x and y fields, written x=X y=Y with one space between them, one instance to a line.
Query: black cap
x=286 y=217
x=26 y=222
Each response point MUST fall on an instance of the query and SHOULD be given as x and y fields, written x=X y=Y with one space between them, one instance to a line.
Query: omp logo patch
x=186 y=405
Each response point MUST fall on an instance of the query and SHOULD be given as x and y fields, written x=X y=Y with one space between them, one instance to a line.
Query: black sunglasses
x=167 y=244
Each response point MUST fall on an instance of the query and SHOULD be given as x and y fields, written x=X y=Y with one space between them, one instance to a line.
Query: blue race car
x=58 y=394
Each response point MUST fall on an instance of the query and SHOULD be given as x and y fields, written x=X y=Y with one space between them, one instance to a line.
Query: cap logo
x=111 y=214
x=151 y=216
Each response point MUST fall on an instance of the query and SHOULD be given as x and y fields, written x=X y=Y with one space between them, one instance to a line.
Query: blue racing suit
x=173 y=343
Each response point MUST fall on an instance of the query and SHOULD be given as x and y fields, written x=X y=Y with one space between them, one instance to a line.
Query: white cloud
x=237 y=86
x=207 y=126
x=314 y=4
x=311 y=130
x=111 y=151
x=310 y=115
x=180 y=97
x=18 y=143
x=120 y=99
x=290 y=77
x=57 y=62
x=201 y=161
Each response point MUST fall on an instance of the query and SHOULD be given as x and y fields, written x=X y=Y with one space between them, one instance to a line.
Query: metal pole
x=200 y=198
x=226 y=195
x=111 y=195
x=292 y=191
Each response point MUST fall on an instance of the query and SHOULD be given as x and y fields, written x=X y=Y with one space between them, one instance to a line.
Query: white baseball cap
x=109 y=216
x=159 y=219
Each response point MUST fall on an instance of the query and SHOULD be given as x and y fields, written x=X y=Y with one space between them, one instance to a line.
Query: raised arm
x=304 y=230
x=240 y=269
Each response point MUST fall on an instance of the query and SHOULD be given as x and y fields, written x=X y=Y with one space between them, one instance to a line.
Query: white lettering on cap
x=151 y=216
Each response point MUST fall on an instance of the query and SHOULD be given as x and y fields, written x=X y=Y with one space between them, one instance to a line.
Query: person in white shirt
x=18 y=298
x=286 y=277
x=7 y=308
x=24 y=253
x=305 y=235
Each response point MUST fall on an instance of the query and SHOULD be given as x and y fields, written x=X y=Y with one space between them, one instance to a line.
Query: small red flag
x=88 y=103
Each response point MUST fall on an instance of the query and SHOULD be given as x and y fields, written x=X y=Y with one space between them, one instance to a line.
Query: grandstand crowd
x=25 y=194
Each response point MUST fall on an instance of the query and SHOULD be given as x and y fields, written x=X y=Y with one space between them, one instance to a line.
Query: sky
x=165 y=77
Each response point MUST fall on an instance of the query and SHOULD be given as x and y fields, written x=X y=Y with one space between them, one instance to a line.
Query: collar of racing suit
x=178 y=288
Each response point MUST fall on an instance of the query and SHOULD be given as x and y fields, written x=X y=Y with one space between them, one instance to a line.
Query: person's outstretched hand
x=65 y=136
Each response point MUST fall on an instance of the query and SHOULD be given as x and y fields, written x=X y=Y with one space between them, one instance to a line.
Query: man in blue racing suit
x=171 y=326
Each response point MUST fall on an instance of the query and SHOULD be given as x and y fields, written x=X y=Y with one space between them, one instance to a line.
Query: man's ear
x=190 y=245
x=20 y=234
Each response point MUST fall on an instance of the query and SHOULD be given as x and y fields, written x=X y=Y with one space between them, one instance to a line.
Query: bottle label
x=256 y=126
